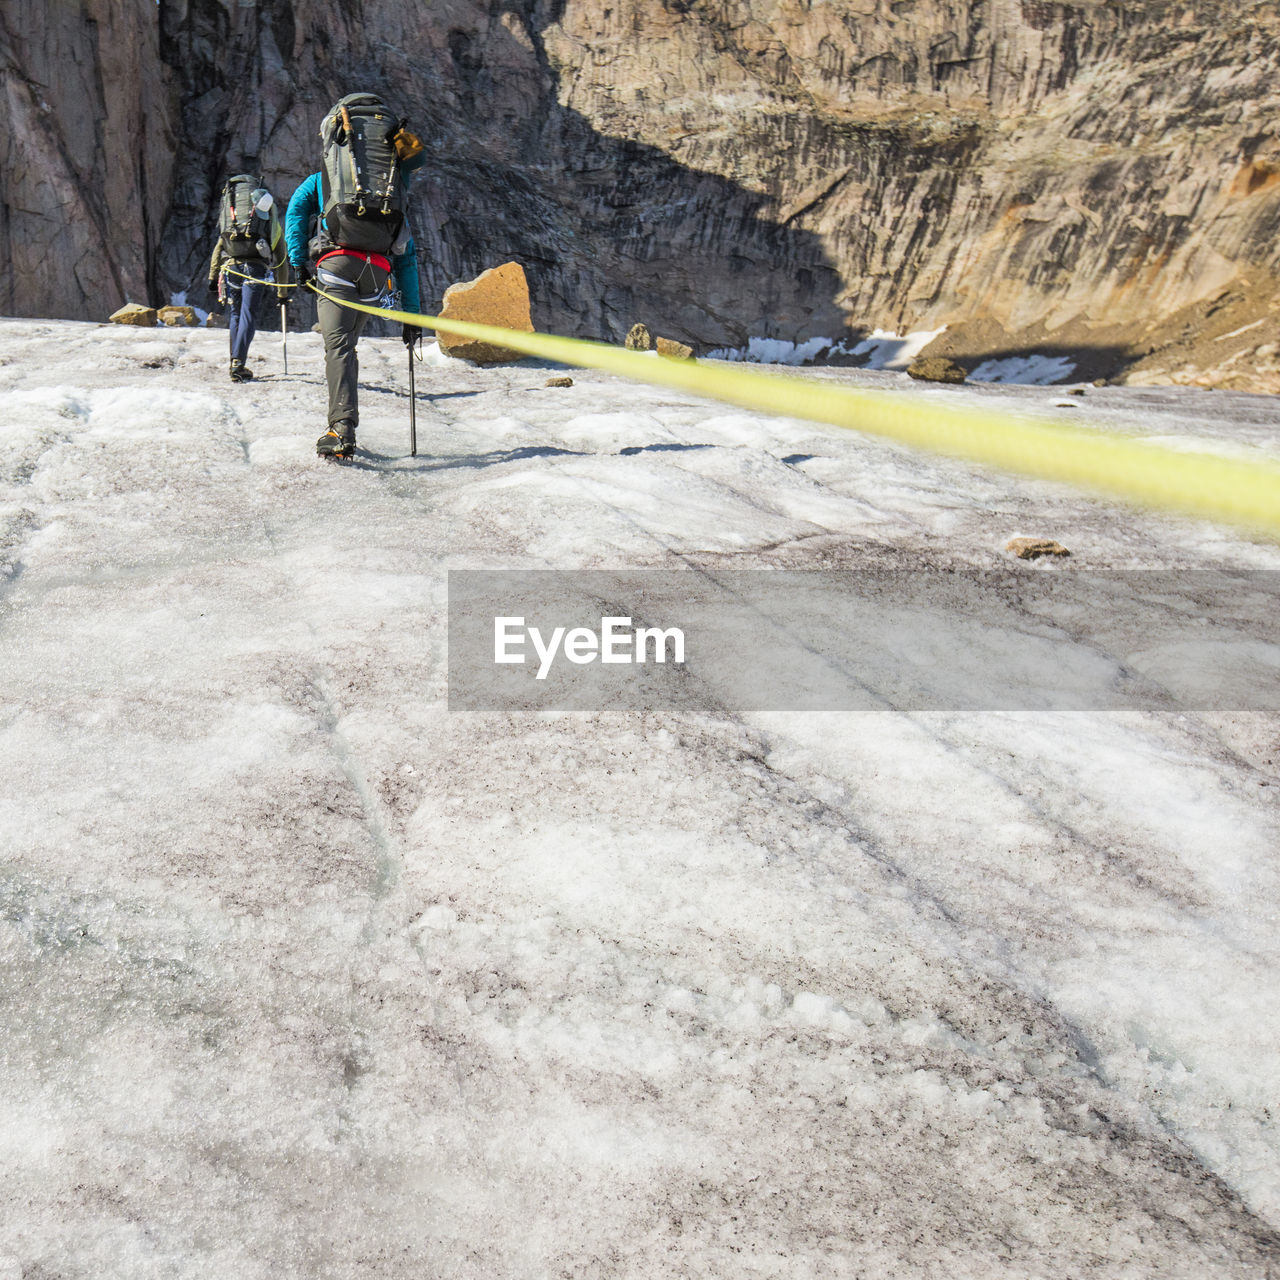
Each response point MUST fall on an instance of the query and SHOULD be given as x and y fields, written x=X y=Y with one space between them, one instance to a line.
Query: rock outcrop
x=87 y=156
x=1099 y=178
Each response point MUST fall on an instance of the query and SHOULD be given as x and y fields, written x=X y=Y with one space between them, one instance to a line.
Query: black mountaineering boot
x=239 y=373
x=338 y=442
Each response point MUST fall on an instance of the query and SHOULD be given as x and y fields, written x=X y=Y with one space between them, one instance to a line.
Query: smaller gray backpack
x=240 y=225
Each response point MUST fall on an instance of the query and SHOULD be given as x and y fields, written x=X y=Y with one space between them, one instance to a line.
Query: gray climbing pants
x=341 y=328
x=351 y=276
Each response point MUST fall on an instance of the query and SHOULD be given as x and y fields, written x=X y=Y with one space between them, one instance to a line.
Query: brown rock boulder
x=134 y=313
x=174 y=316
x=936 y=369
x=499 y=296
x=673 y=350
x=638 y=339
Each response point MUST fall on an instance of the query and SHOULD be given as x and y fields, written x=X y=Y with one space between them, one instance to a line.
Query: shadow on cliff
x=611 y=231
x=631 y=237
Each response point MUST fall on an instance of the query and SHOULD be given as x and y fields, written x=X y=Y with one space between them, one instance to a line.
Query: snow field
x=306 y=976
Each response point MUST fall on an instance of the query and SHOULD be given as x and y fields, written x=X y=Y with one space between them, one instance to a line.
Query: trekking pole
x=284 y=336
x=413 y=411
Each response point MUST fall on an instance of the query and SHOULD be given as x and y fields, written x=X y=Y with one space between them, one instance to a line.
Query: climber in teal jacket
x=305 y=205
x=357 y=277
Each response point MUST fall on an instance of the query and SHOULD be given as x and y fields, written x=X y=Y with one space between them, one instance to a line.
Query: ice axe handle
x=413 y=410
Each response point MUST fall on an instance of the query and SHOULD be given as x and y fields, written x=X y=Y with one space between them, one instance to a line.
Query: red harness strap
x=374 y=259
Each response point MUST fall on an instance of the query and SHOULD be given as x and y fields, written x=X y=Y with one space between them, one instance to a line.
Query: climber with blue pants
x=250 y=243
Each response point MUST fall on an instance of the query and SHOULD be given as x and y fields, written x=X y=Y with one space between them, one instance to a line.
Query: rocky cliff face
x=1093 y=175
x=86 y=156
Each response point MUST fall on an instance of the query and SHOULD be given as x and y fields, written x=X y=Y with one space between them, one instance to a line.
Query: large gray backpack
x=239 y=223
x=362 y=196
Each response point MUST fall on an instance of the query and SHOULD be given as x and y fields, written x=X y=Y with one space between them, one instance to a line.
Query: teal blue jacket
x=305 y=205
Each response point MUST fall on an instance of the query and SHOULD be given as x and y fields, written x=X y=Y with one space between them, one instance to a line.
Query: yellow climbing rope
x=1240 y=491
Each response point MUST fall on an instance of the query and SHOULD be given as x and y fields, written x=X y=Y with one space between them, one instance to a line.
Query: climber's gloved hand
x=410 y=333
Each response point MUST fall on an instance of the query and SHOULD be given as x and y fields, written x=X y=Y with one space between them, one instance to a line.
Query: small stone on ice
x=1033 y=548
